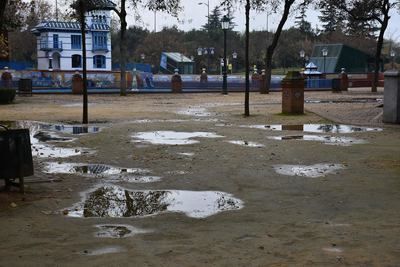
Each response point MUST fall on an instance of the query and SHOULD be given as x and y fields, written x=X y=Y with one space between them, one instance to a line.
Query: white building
x=59 y=44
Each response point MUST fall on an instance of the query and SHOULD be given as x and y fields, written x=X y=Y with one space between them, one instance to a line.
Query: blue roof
x=67 y=26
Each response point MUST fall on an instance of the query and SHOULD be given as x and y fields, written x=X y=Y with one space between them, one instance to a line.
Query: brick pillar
x=263 y=83
x=176 y=82
x=293 y=93
x=77 y=84
x=344 y=80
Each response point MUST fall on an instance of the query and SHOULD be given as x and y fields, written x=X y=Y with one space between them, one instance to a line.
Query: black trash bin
x=15 y=157
x=336 y=85
x=25 y=87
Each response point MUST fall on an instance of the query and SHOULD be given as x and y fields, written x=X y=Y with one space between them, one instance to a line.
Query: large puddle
x=113 y=174
x=116 y=202
x=172 y=137
x=41 y=134
x=118 y=231
x=315 y=128
x=311 y=171
x=325 y=139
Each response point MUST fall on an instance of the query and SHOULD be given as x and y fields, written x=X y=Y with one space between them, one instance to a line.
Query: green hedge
x=6 y=95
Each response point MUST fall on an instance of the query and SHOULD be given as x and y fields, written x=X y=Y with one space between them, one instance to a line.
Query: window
x=76 y=42
x=55 y=41
x=99 y=62
x=99 y=41
x=76 y=61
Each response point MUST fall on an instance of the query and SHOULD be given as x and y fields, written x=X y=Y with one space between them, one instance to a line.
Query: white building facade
x=59 y=44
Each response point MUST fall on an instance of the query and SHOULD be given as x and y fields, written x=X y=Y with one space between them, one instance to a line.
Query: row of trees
x=360 y=19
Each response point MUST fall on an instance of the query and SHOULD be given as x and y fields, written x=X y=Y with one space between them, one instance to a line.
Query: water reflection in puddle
x=328 y=140
x=172 y=138
x=246 y=143
x=40 y=135
x=118 y=231
x=315 y=128
x=311 y=171
x=114 y=201
x=114 y=174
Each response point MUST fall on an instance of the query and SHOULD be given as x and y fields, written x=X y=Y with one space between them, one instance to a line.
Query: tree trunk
x=275 y=40
x=3 y=5
x=379 y=46
x=85 y=119
x=122 y=49
x=247 y=64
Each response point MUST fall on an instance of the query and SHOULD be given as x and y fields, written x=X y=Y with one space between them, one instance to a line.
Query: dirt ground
x=346 y=218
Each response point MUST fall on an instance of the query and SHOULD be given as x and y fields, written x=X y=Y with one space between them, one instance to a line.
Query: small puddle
x=48 y=151
x=246 y=143
x=353 y=100
x=311 y=171
x=115 y=174
x=325 y=139
x=172 y=138
x=316 y=128
x=116 y=202
x=187 y=154
x=118 y=231
x=104 y=250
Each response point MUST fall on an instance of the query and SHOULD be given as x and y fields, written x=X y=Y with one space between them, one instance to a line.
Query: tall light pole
x=208 y=13
x=225 y=27
x=392 y=55
x=324 y=54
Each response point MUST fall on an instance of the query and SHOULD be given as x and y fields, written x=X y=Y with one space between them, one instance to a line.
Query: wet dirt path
x=218 y=198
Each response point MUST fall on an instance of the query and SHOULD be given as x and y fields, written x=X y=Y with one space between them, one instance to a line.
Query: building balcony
x=51 y=46
x=100 y=48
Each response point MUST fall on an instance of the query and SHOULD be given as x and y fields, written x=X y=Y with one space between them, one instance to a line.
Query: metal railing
x=49 y=45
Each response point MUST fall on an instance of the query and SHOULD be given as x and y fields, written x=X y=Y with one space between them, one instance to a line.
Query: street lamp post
x=206 y=51
x=225 y=27
x=302 y=56
x=392 y=55
x=324 y=54
x=234 y=56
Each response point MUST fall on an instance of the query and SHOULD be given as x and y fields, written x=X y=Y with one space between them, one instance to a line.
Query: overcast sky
x=194 y=16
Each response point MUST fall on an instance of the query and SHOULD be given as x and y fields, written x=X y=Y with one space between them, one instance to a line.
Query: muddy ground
x=349 y=217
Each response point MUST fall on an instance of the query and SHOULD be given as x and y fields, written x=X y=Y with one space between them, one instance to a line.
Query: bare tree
x=376 y=11
x=170 y=6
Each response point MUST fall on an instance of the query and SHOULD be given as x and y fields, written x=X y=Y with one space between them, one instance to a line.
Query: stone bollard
x=176 y=82
x=263 y=83
x=6 y=79
x=293 y=93
x=391 y=104
x=203 y=79
x=344 y=80
x=77 y=84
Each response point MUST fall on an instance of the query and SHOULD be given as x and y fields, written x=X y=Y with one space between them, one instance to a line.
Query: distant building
x=174 y=60
x=341 y=56
x=59 y=44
